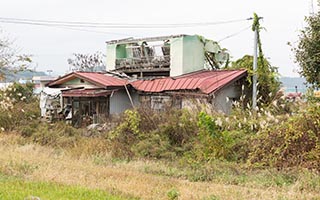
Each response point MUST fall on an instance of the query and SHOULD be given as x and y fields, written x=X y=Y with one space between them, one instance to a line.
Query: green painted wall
x=176 y=56
x=111 y=56
x=77 y=83
x=193 y=54
x=121 y=51
x=187 y=55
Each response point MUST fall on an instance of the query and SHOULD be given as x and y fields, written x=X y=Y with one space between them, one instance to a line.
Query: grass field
x=54 y=174
x=15 y=189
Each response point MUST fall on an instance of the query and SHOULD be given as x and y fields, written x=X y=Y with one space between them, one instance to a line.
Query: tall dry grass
x=38 y=163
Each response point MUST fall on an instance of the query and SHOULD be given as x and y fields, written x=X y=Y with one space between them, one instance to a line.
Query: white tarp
x=47 y=96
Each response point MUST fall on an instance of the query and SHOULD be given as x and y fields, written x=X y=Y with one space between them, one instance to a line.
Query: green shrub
x=173 y=194
x=20 y=114
x=161 y=135
x=18 y=92
x=17 y=106
x=57 y=135
x=292 y=143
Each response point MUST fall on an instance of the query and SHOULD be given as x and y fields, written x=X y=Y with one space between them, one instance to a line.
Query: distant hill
x=24 y=75
x=289 y=84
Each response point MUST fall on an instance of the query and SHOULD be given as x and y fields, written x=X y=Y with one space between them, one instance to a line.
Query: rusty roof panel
x=204 y=80
x=103 y=79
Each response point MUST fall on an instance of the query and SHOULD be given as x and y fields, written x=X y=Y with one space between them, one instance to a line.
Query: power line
x=65 y=27
x=235 y=34
x=77 y=24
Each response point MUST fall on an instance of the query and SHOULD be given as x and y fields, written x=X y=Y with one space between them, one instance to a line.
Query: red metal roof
x=86 y=93
x=100 y=79
x=206 y=81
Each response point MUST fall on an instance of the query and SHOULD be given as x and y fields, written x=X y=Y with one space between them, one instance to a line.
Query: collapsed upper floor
x=164 y=56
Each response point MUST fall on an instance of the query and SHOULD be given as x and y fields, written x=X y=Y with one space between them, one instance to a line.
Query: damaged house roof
x=204 y=80
x=100 y=79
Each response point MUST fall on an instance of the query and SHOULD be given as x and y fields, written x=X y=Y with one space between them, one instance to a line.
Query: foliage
x=87 y=62
x=268 y=77
x=58 y=135
x=164 y=135
x=125 y=134
x=294 y=142
x=307 y=53
x=19 y=92
x=173 y=194
x=213 y=142
x=10 y=61
x=17 y=106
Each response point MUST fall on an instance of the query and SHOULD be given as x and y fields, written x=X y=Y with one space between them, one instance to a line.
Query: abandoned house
x=92 y=96
x=178 y=71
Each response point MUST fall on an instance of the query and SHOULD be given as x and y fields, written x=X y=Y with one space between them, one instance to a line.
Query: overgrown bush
x=294 y=142
x=57 y=135
x=17 y=106
x=150 y=134
x=212 y=141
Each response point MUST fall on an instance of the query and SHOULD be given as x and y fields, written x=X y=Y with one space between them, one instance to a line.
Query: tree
x=87 y=62
x=307 y=53
x=268 y=77
x=10 y=61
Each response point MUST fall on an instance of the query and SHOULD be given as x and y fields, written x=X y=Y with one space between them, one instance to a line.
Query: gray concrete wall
x=220 y=101
x=119 y=101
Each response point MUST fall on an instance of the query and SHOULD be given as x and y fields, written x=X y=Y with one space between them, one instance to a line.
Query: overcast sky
x=52 y=46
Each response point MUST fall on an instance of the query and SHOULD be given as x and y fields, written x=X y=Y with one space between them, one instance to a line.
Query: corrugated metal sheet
x=101 y=79
x=206 y=81
x=104 y=79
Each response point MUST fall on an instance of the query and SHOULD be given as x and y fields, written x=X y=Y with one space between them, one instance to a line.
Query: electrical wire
x=77 y=24
x=89 y=26
x=235 y=34
x=68 y=28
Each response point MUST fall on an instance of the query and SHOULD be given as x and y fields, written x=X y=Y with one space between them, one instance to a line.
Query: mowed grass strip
x=17 y=189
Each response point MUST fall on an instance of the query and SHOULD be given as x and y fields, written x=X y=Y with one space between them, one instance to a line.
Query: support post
x=128 y=93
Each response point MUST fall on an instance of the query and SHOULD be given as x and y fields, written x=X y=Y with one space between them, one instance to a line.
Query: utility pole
x=311 y=8
x=255 y=28
x=255 y=64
